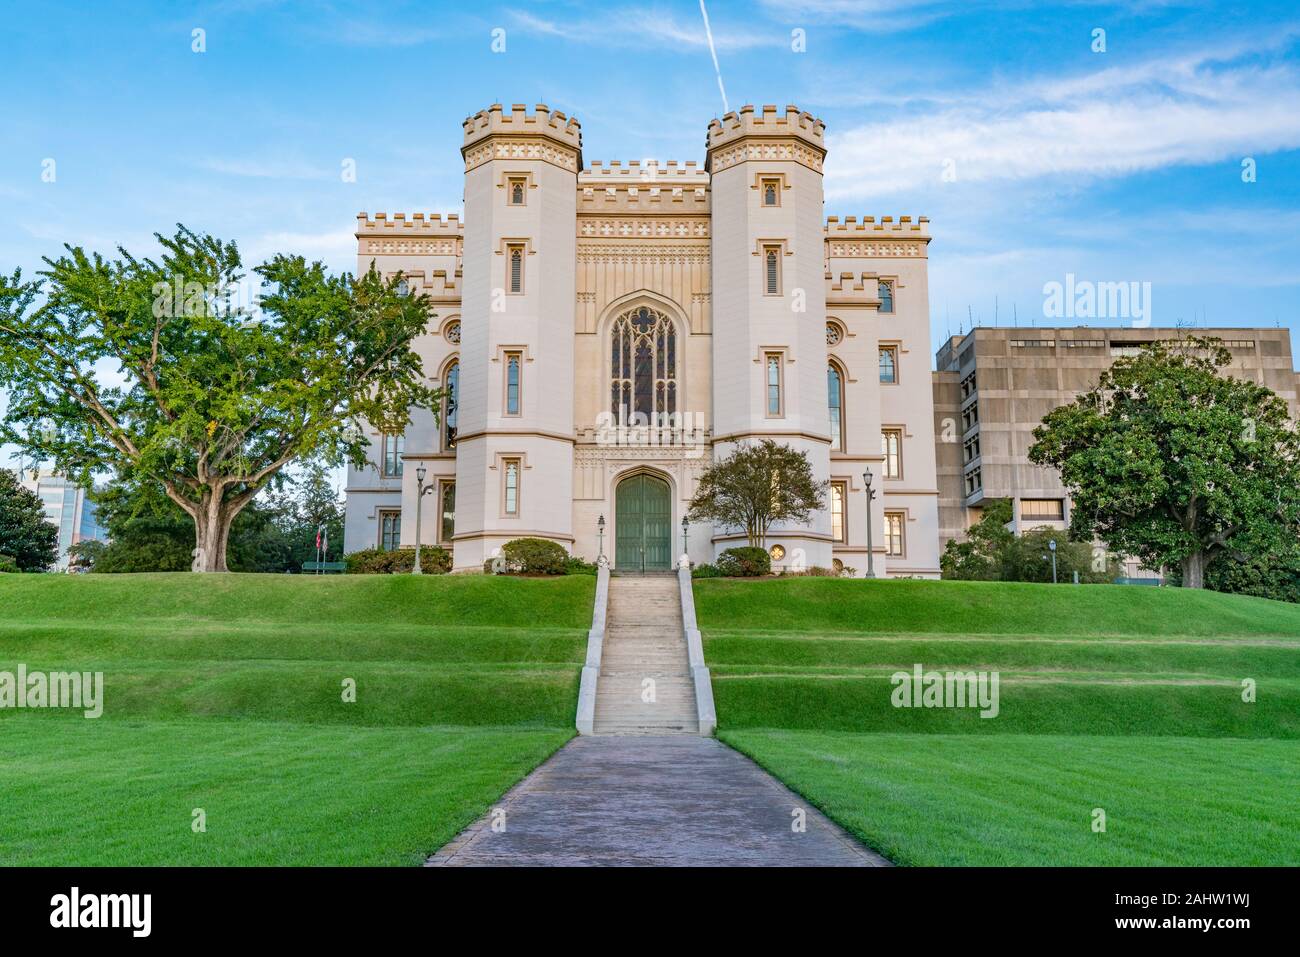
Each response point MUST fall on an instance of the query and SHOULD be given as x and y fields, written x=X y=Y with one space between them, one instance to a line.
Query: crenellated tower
x=514 y=447
x=769 y=331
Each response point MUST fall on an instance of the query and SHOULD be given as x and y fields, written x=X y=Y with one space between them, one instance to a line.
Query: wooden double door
x=643 y=525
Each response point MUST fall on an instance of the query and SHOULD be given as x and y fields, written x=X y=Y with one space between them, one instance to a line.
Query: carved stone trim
x=521 y=148
x=642 y=228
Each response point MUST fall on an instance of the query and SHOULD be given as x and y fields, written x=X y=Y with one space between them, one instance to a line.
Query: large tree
x=217 y=398
x=25 y=534
x=1174 y=463
x=756 y=486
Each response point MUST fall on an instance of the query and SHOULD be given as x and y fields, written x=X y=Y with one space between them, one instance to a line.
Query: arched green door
x=643 y=518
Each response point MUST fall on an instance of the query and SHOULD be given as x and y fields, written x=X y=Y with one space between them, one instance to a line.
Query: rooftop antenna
x=1015 y=316
x=995 y=312
x=970 y=317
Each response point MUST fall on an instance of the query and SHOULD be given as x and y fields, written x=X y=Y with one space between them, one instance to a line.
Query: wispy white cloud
x=335 y=247
x=268 y=169
x=642 y=27
x=1186 y=108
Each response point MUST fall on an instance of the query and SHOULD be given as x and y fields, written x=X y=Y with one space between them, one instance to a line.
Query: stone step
x=643 y=639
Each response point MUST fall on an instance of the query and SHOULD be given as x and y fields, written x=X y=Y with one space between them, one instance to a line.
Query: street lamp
x=685 y=547
x=600 y=535
x=1051 y=545
x=871 y=497
x=420 y=492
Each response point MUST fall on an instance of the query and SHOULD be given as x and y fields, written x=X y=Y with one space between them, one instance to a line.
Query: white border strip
x=704 y=707
x=595 y=644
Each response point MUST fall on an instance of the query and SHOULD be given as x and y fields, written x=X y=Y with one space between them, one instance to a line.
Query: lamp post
x=420 y=491
x=600 y=536
x=1051 y=545
x=871 y=497
x=685 y=546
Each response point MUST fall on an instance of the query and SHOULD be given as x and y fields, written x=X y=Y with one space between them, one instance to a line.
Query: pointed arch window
x=451 y=388
x=835 y=404
x=643 y=368
x=516 y=254
x=772 y=270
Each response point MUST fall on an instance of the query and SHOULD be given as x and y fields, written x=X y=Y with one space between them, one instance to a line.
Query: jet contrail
x=714 y=53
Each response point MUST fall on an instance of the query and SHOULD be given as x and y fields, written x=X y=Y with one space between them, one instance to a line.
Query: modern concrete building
x=67 y=507
x=604 y=332
x=992 y=387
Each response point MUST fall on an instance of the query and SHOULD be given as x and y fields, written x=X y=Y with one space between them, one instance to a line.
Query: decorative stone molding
x=612 y=254
x=643 y=228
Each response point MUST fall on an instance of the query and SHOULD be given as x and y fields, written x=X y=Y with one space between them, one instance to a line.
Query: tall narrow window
x=838 y=529
x=515 y=255
x=390 y=529
x=771 y=192
x=891 y=446
x=511 y=478
x=885 y=293
x=517 y=192
x=513 y=359
x=835 y=403
x=447 y=523
x=393 y=446
x=643 y=368
x=772 y=270
x=403 y=287
x=888 y=363
x=451 y=386
x=894 y=544
x=774 y=385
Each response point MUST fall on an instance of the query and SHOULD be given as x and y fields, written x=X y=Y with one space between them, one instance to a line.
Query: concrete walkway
x=652 y=800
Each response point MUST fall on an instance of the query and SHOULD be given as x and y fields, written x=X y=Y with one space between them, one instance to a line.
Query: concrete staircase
x=644 y=639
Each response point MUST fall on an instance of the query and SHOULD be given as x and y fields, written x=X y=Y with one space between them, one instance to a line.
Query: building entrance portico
x=643 y=524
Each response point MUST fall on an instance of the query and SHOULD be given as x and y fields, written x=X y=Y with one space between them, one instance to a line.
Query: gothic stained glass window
x=643 y=367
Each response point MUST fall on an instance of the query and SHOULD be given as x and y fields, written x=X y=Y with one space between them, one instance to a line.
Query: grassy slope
x=463 y=685
x=1123 y=698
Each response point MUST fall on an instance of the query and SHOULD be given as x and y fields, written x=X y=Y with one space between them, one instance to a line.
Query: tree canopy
x=992 y=552
x=25 y=534
x=1172 y=462
x=757 y=485
x=217 y=397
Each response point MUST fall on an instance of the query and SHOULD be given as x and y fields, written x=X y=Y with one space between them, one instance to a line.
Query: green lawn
x=1128 y=699
x=1029 y=799
x=225 y=693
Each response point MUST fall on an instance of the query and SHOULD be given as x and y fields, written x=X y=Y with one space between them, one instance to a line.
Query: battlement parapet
x=868 y=226
x=649 y=171
x=852 y=288
x=417 y=224
x=791 y=121
x=544 y=134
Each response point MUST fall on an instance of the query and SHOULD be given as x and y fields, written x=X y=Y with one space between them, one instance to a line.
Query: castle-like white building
x=604 y=332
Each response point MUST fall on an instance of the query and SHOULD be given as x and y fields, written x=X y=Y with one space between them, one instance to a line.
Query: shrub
x=8 y=564
x=576 y=566
x=745 y=562
x=397 y=561
x=706 y=571
x=530 y=556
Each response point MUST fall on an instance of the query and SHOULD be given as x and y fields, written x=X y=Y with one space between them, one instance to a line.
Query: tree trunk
x=1194 y=570
x=212 y=532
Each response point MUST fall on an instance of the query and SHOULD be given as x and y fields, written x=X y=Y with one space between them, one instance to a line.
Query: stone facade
x=609 y=329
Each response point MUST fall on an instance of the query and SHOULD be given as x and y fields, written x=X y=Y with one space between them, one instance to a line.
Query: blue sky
x=1114 y=166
